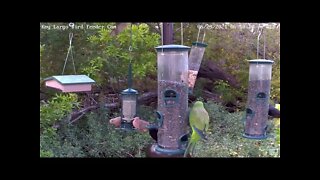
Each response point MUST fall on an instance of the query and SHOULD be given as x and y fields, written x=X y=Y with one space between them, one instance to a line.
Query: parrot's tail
x=190 y=148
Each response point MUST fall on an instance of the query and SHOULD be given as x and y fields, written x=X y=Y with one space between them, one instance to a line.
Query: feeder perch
x=172 y=108
x=195 y=58
x=70 y=83
x=258 y=98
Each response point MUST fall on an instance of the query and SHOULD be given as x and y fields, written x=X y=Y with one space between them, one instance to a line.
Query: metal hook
x=70 y=38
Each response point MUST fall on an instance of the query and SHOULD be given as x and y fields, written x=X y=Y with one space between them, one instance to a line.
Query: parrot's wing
x=201 y=134
x=196 y=117
x=204 y=118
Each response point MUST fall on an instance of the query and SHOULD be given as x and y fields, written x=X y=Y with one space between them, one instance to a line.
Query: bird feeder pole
x=167 y=33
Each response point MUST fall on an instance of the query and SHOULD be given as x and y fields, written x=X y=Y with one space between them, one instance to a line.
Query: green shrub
x=51 y=113
x=147 y=113
x=93 y=136
x=275 y=83
x=227 y=93
x=57 y=108
x=93 y=69
x=225 y=137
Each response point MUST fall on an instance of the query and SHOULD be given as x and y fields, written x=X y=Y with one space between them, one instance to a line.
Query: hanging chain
x=69 y=50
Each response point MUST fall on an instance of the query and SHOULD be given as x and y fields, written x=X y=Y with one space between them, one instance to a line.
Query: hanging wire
x=181 y=33
x=199 y=33
x=130 y=47
x=130 y=65
x=69 y=50
x=264 y=45
x=162 y=36
x=258 y=42
x=204 y=35
x=74 y=67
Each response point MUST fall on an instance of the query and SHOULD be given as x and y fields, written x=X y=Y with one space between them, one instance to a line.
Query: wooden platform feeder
x=70 y=83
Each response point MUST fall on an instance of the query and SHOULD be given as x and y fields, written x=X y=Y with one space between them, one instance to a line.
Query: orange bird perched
x=116 y=121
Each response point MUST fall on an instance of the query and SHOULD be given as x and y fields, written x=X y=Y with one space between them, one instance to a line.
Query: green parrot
x=199 y=123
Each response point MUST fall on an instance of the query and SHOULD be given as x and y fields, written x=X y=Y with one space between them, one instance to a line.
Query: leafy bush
x=228 y=94
x=93 y=69
x=50 y=113
x=275 y=83
x=147 y=113
x=199 y=86
x=97 y=138
x=225 y=137
x=93 y=136
x=57 y=108
x=115 y=51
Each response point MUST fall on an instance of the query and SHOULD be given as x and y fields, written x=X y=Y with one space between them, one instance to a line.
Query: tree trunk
x=119 y=28
x=167 y=33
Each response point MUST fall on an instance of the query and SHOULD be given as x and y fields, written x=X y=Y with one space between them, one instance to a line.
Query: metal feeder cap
x=261 y=61
x=129 y=91
x=199 y=44
x=172 y=47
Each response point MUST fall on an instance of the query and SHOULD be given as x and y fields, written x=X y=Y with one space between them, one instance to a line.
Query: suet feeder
x=258 y=98
x=129 y=104
x=172 y=108
x=195 y=58
x=70 y=83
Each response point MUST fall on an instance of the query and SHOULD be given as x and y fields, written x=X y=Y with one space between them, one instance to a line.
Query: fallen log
x=210 y=70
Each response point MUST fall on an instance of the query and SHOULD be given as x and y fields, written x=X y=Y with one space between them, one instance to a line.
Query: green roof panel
x=72 y=79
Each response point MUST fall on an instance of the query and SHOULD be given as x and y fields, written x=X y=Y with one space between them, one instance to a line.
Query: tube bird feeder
x=172 y=116
x=129 y=104
x=258 y=98
x=195 y=58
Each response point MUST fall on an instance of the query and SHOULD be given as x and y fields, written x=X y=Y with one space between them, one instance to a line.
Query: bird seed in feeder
x=257 y=109
x=173 y=107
